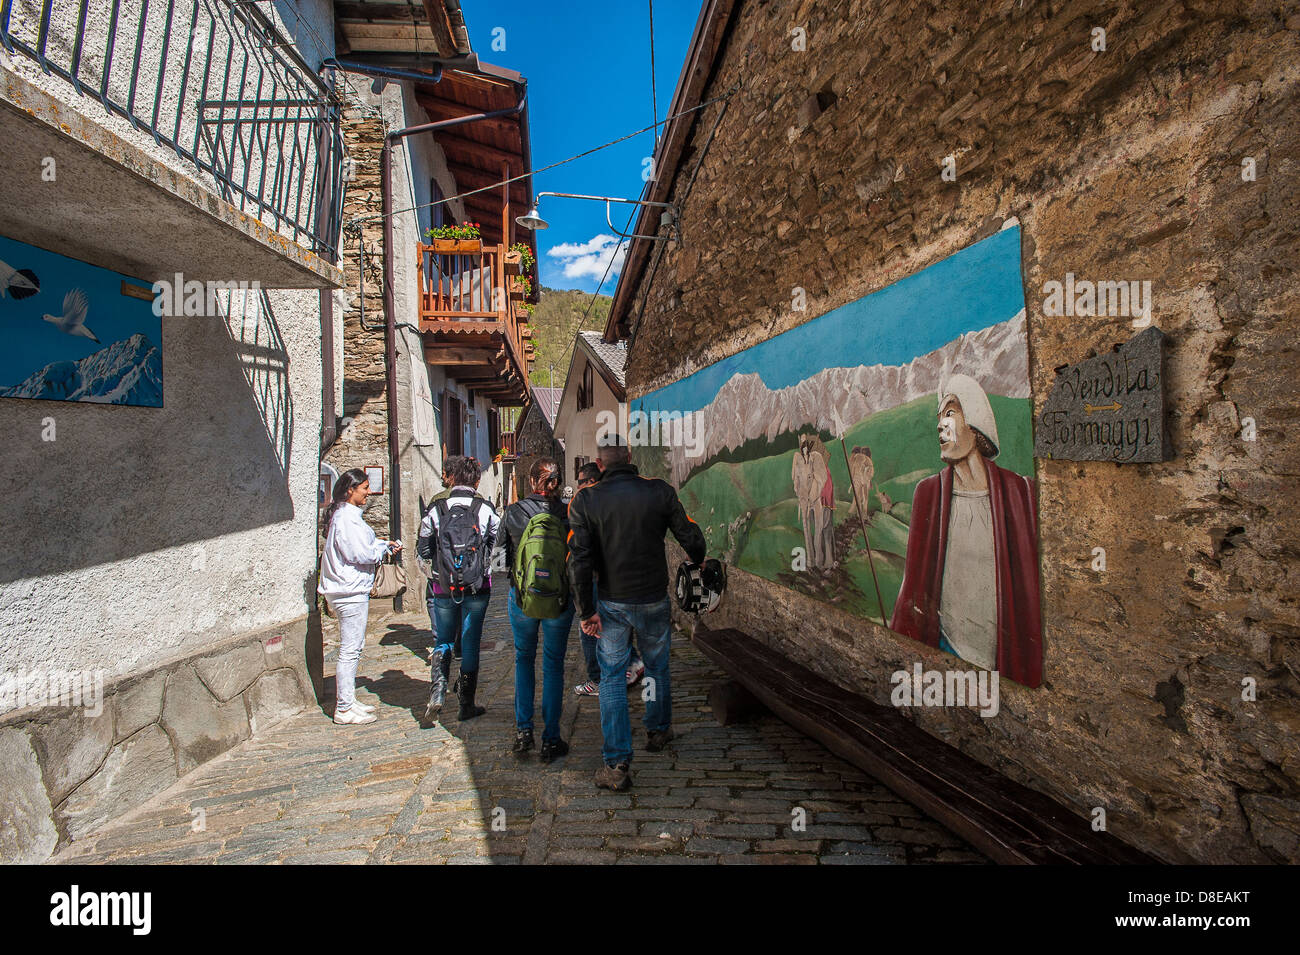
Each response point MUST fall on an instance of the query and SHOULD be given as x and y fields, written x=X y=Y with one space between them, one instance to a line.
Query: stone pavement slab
x=307 y=791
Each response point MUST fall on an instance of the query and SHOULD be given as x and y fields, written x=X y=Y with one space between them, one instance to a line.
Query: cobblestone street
x=307 y=791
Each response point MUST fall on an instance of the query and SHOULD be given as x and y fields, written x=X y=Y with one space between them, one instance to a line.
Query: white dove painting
x=78 y=333
x=73 y=319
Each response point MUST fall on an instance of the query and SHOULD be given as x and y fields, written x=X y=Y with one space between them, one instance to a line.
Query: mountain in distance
x=127 y=372
x=555 y=323
x=835 y=399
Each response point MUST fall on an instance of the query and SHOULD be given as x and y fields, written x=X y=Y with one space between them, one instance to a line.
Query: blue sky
x=588 y=70
x=971 y=289
x=32 y=343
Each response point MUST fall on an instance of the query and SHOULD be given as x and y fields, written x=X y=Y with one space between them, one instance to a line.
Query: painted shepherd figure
x=815 y=493
x=970 y=583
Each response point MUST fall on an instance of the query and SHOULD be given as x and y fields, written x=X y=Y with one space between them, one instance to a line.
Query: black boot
x=467 y=685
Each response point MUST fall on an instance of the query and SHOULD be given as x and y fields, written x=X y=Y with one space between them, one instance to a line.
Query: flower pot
x=457 y=246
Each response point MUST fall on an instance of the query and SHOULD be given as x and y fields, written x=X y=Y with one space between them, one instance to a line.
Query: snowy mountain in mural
x=128 y=372
x=745 y=408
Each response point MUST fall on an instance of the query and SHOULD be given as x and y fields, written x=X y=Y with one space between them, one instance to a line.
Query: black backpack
x=462 y=555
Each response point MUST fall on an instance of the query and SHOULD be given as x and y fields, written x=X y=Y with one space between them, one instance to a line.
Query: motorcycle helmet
x=700 y=586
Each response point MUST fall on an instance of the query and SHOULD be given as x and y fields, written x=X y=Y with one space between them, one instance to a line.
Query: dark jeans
x=589 y=647
x=652 y=623
x=465 y=619
x=555 y=641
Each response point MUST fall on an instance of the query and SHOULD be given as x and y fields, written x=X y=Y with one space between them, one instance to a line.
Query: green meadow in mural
x=879 y=458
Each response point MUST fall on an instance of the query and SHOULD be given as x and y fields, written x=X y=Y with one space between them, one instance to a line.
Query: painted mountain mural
x=75 y=331
x=128 y=372
x=879 y=458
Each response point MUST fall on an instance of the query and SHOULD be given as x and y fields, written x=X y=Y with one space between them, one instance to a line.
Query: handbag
x=390 y=578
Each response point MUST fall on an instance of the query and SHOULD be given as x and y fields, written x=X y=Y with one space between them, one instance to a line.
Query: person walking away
x=447 y=483
x=347 y=575
x=457 y=536
x=535 y=532
x=617 y=529
x=588 y=475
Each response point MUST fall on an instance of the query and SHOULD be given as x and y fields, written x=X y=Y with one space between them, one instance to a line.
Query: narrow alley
x=308 y=791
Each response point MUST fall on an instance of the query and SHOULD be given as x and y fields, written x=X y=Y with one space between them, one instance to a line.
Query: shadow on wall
x=121 y=481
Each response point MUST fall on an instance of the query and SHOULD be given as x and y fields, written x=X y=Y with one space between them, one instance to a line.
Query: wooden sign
x=1109 y=408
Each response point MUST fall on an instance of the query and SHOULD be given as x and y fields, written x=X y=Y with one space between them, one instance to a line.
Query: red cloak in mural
x=1015 y=551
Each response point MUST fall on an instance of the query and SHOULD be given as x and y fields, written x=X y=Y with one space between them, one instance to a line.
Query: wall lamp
x=667 y=218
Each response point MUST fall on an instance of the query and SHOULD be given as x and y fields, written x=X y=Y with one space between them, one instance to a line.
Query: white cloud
x=589 y=259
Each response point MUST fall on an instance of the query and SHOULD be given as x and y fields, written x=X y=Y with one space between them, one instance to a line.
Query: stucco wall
x=140 y=534
x=1122 y=164
x=579 y=429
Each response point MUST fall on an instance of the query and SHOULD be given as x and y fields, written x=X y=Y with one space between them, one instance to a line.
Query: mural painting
x=76 y=332
x=879 y=458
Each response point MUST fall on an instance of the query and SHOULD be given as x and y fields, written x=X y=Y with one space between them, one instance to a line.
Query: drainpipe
x=390 y=318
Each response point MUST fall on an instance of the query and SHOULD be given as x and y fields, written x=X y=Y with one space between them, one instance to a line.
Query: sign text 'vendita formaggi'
x=1110 y=407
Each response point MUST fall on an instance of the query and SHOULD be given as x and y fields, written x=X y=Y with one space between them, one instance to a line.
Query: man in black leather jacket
x=616 y=530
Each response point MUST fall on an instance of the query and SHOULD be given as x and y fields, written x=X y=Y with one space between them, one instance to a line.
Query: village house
x=535 y=437
x=861 y=180
x=594 y=391
x=435 y=340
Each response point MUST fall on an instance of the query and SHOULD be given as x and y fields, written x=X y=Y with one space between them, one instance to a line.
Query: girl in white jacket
x=347 y=574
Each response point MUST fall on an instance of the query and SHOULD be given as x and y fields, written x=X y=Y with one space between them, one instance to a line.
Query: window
x=453 y=425
x=587 y=388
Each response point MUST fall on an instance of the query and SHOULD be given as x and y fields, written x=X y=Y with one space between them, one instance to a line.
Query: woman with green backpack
x=536 y=531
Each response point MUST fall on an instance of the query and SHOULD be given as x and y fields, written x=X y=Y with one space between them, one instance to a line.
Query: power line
x=497 y=185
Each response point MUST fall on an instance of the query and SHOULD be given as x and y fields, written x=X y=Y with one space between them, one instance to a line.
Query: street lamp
x=667 y=218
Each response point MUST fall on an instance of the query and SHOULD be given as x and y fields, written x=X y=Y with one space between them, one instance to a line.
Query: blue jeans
x=465 y=618
x=589 y=647
x=652 y=623
x=555 y=641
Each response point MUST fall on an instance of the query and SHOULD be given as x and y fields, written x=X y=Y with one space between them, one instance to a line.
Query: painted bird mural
x=73 y=319
x=20 y=283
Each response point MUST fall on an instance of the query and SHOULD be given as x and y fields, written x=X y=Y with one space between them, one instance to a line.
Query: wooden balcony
x=473 y=320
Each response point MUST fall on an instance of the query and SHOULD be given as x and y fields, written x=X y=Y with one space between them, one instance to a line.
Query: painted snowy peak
x=128 y=372
x=837 y=398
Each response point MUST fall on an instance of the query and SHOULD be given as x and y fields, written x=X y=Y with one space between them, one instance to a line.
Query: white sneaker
x=352 y=716
x=363 y=707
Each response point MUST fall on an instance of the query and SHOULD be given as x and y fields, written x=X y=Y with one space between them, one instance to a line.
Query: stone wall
x=363 y=440
x=1125 y=163
x=534 y=439
x=68 y=770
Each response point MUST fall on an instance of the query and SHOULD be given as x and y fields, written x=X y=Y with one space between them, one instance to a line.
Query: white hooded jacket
x=352 y=555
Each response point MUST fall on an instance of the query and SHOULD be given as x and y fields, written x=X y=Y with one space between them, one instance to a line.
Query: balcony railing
x=475 y=295
x=212 y=80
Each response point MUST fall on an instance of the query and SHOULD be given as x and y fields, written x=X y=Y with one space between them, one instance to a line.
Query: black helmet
x=700 y=586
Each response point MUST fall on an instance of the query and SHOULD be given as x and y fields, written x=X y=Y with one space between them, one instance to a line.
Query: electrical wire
x=497 y=185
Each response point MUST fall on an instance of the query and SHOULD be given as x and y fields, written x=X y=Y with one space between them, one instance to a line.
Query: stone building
x=594 y=393
x=851 y=144
x=434 y=345
x=158 y=580
x=535 y=437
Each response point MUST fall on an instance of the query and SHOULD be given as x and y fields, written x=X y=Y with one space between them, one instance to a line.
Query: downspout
x=390 y=317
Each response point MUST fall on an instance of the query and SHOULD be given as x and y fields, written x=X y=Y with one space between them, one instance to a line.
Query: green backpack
x=541 y=571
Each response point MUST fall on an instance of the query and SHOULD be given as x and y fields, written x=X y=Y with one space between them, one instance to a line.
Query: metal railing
x=212 y=80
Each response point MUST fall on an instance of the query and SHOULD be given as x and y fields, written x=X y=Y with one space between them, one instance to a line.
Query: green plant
x=526 y=260
x=465 y=230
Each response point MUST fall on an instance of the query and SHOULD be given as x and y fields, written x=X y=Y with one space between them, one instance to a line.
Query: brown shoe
x=617 y=777
x=656 y=740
